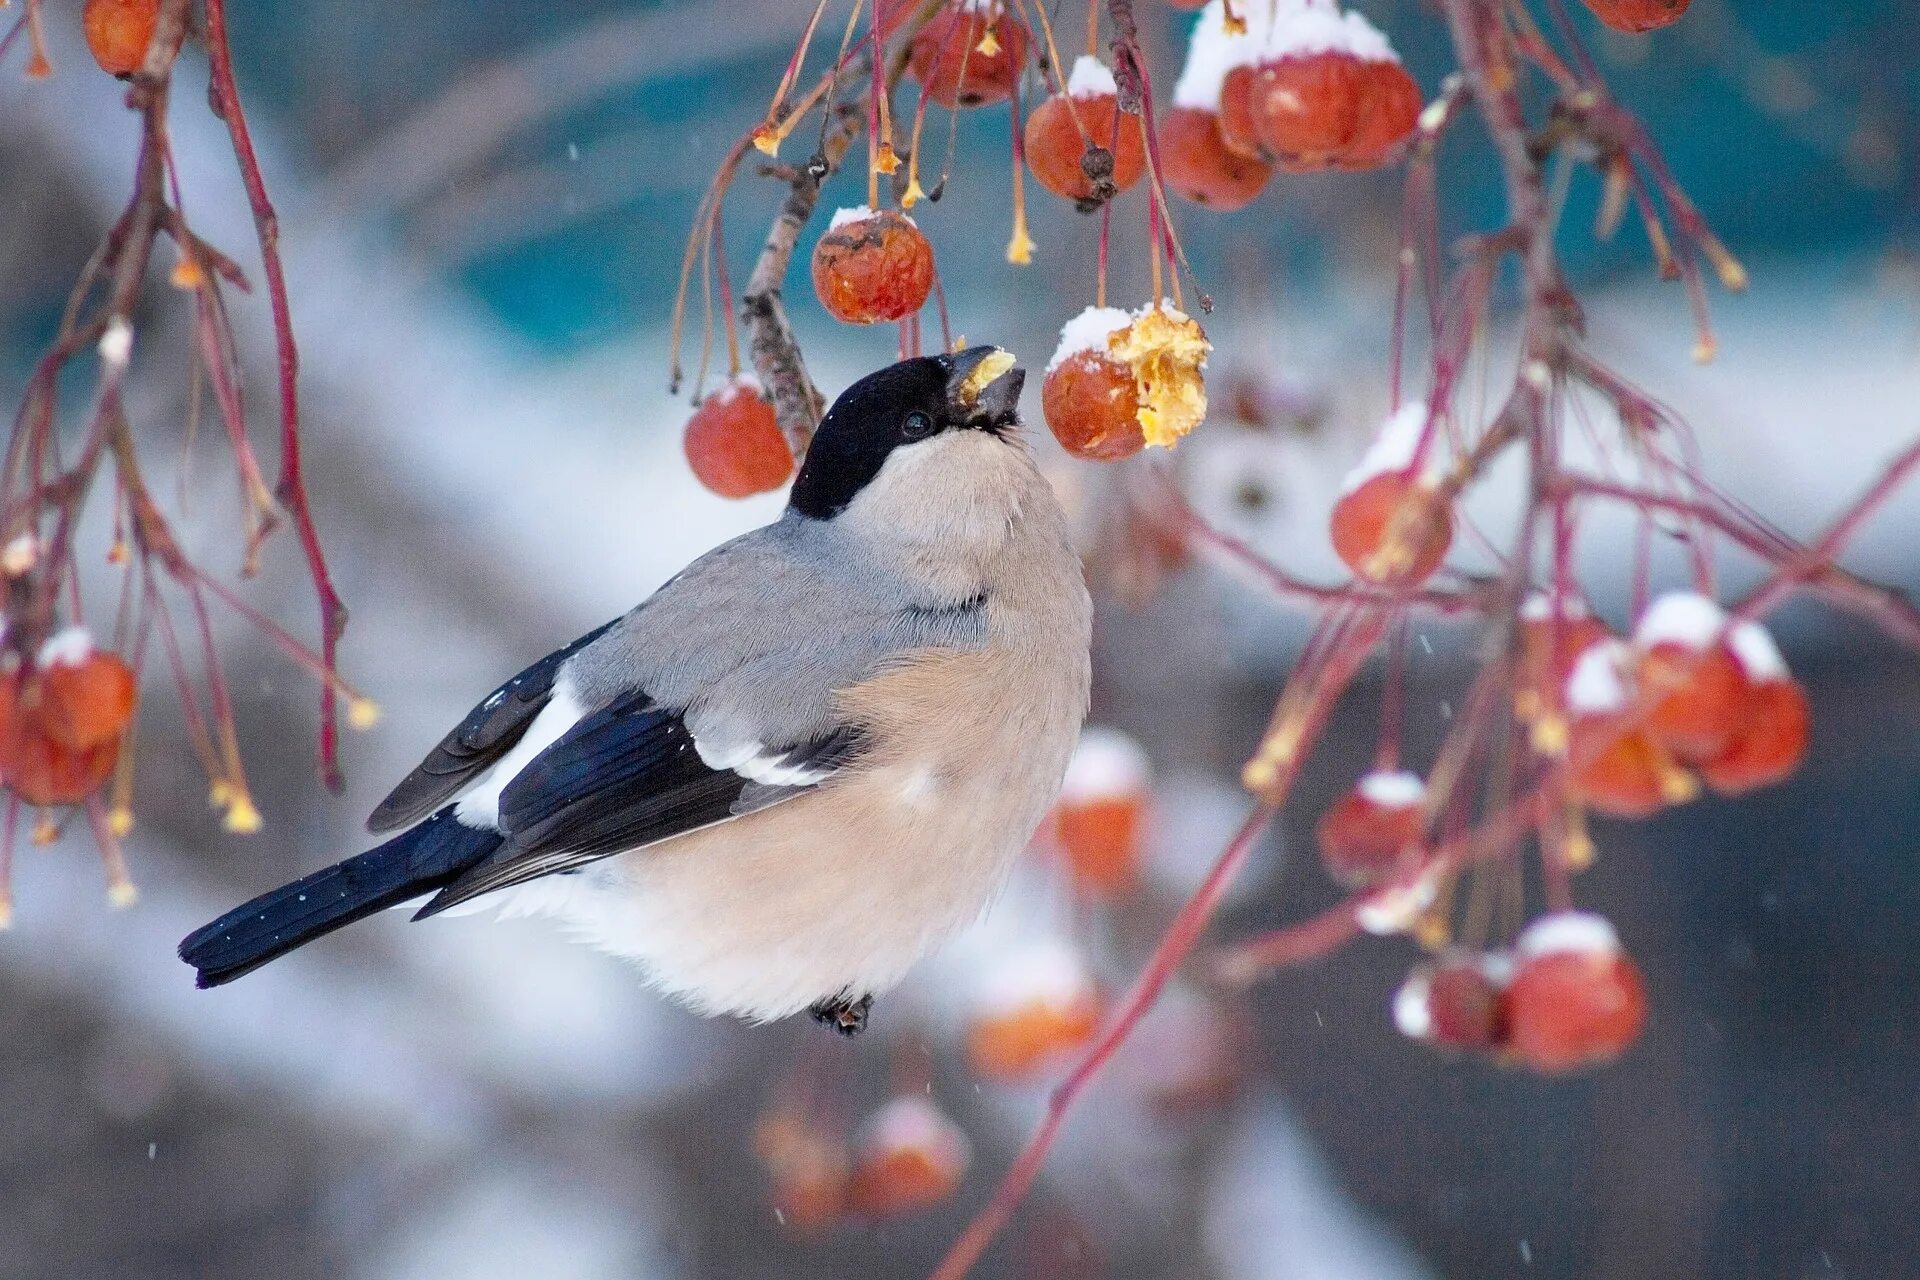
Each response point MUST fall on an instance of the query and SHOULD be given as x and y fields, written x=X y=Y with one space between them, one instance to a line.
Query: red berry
x=61 y=726
x=1547 y=652
x=1770 y=742
x=1638 y=15
x=1389 y=110
x=1101 y=818
x=87 y=702
x=1576 y=999
x=911 y=1157
x=1038 y=1005
x=871 y=267
x=1687 y=662
x=119 y=31
x=1056 y=143
x=1196 y=162
x=1239 y=129
x=1092 y=406
x=1392 y=529
x=969 y=55
x=1458 y=1002
x=807 y=1168
x=1617 y=767
x=734 y=444
x=1368 y=835
x=1307 y=108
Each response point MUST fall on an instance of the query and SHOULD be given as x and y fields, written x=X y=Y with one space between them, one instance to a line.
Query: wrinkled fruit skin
x=1638 y=15
x=118 y=33
x=879 y=268
x=1363 y=842
x=1771 y=741
x=1054 y=144
x=945 y=57
x=1391 y=530
x=1574 y=1009
x=1092 y=407
x=1197 y=164
x=1704 y=699
x=734 y=445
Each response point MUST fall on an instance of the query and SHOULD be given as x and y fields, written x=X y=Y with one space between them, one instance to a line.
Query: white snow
x=1106 y=765
x=1598 y=681
x=912 y=1123
x=1538 y=607
x=1758 y=655
x=116 y=344
x=1048 y=972
x=1395 y=908
x=1275 y=29
x=1395 y=789
x=18 y=555
x=1681 y=617
x=860 y=213
x=1563 y=931
x=67 y=647
x=1411 y=1012
x=1091 y=79
x=741 y=381
x=1396 y=448
x=1088 y=331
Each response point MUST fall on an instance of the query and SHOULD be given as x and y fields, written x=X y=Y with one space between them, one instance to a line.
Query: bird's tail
x=418 y=861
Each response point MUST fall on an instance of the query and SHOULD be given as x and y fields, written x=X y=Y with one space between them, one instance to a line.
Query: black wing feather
x=626 y=776
x=488 y=732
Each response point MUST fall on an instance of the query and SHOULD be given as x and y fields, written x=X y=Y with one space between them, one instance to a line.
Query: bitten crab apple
x=118 y=33
x=872 y=266
x=970 y=53
x=1037 y=1003
x=1100 y=819
x=1371 y=832
x=63 y=721
x=1576 y=999
x=909 y=1156
x=1391 y=526
x=1089 y=398
x=1079 y=144
x=734 y=445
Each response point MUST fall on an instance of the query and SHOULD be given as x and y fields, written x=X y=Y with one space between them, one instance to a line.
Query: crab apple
x=910 y=1157
x=86 y=695
x=807 y=1170
x=1619 y=768
x=1306 y=110
x=1066 y=129
x=969 y=53
x=1197 y=164
x=119 y=31
x=1548 y=650
x=1090 y=398
x=1366 y=836
x=1774 y=722
x=1394 y=529
x=1101 y=817
x=1038 y=1004
x=1239 y=131
x=1686 y=660
x=1576 y=1000
x=872 y=266
x=1388 y=113
x=1457 y=1002
x=1638 y=15
x=733 y=443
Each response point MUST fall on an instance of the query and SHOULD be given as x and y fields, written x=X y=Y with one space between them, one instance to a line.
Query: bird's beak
x=984 y=386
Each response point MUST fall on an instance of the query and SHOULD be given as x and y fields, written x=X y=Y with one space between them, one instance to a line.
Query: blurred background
x=483 y=206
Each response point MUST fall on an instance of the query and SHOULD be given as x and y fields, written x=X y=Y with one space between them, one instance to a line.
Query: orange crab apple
x=909 y=1157
x=1090 y=398
x=1367 y=836
x=1072 y=128
x=733 y=442
x=1635 y=16
x=1576 y=999
x=969 y=53
x=872 y=266
x=118 y=33
x=1100 y=819
x=1197 y=164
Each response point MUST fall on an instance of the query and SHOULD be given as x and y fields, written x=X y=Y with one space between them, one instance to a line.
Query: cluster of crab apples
x=63 y=717
x=905 y=1157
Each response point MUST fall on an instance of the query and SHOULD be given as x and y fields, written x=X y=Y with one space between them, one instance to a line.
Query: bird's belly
x=839 y=891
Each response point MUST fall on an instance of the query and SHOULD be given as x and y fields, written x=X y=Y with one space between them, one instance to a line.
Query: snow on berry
x=872 y=266
x=1576 y=999
x=1546 y=657
x=1635 y=16
x=1759 y=657
x=1618 y=768
x=969 y=53
x=1167 y=351
x=734 y=444
x=1458 y=1001
x=1197 y=164
x=1398 y=907
x=1089 y=398
x=118 y=33
x=1100 y=819
x=910 y=1157
x=1034 y=1005
x=1685 y=657
x=1372 y=831
x=1081 y=127
x=1393 y=529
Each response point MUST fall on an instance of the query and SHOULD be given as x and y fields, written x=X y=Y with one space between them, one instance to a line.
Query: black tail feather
x=421 y=860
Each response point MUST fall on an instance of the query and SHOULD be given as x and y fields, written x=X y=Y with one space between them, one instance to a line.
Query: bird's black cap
x=973 y=390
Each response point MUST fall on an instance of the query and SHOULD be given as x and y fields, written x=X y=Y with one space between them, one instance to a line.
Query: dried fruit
x=1090 y=399
x=1372 y=831
x=119 y=31
x=1197 y=164
x=1457 y=1002
x=1037 y=1005
x=1685 y=660
x=910 y=1157
x=872 y=266
x=1576 y=1000
x=734 y=444
x=1638 y=15
x=969 y=53
x=1100 y=819
x=1084 y=127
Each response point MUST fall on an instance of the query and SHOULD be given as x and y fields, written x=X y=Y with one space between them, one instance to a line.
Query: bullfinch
x=802 y=763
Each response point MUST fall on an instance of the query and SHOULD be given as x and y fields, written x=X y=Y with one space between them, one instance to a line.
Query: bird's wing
x=477 y=742
x=629 y=775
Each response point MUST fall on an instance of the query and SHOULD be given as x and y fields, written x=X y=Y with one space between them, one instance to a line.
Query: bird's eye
x=917 y=426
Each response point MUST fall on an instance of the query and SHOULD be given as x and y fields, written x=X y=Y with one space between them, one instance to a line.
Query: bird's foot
x=844 y=1014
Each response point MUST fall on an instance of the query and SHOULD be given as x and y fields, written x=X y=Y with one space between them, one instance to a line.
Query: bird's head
x=931 y=421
